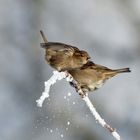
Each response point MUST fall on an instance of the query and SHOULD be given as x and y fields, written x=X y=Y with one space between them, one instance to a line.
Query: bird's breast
x=96 y=85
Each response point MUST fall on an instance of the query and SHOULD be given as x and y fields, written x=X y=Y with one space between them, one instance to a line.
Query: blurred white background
x=109 y=30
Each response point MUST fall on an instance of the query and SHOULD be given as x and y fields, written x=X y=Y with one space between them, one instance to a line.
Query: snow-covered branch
x=56 y=76
x=99 y=119
x=61 y=75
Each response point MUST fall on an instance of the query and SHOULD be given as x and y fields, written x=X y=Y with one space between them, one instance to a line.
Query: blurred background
x=109 y=30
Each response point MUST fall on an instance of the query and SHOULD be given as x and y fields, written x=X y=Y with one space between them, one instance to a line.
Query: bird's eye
x=83 y=54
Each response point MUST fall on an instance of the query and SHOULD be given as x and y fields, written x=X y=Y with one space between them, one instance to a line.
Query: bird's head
x=83 y=57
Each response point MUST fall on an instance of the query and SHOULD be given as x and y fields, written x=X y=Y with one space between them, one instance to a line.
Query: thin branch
x=60 y=75
x=93 y=110
x=56 y=76
x=99 y=119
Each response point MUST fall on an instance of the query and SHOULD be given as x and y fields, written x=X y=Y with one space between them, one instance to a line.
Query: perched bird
x=92 y=76
x=62 y=56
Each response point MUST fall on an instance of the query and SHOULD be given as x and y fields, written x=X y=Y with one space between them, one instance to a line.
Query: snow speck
x=67 y=128
x=51 y=130
x=69 y=94
x=68 y=123
x=73 y=103
x=62 y=135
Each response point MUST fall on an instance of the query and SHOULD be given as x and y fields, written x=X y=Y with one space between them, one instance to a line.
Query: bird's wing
x=88 y=65
x=60 y=48
x=100 y=67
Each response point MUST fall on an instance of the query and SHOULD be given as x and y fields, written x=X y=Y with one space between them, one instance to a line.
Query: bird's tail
x=43 y=45
x=122 y=70
x=111 y=73
x=43 y=36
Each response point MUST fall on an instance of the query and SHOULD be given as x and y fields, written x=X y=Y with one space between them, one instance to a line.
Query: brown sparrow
x=92 y=76
x=62 y=56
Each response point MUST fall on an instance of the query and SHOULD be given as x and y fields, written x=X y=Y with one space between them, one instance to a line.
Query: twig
x=99 y=119
x=93 y=110
x=56 y=76
x=60 y=75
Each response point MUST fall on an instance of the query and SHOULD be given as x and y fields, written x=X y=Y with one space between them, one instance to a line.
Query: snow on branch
x=61 y=75
x=99 y=119
x=56 y=76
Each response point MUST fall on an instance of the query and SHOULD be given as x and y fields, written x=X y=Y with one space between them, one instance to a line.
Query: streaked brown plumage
x=92 y=76
x=62 y=56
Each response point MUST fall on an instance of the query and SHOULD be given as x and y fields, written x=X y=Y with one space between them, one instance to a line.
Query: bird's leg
x=74 y=84
x=82 y=93
x=78 y=89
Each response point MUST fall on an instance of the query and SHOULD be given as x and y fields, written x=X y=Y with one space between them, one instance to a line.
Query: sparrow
x=92 y=76
x=63 y=57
